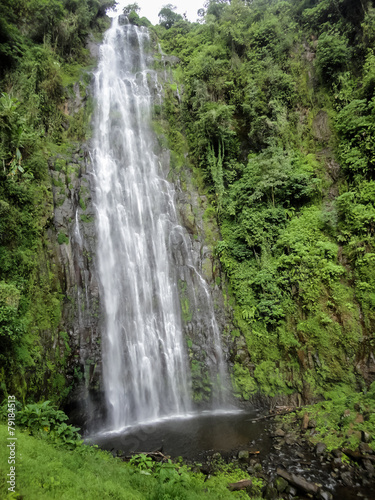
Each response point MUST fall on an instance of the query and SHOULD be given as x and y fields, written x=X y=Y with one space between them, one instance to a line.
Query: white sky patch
x=151 y=8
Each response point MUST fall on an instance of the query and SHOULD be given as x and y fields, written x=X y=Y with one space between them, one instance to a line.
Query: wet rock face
x=75 y=242
x=321 y=127
x=201 y=283
x=200 y=286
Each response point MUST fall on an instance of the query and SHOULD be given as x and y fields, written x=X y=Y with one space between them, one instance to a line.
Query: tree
x=215 y=7
x=167 y=16
x=131 y=7
x=332 y=54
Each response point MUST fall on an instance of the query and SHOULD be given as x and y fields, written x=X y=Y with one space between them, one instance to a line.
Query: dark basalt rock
x=320 y=448
x=364 y=448
x=281 y=484
x=367 y=464
x=346 y=478
x=270 y=492
x=324 y=495
x=74 y=259
x=243 y=455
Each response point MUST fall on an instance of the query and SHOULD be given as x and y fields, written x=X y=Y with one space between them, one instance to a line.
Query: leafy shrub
x=332 y=54
x=166 y=472
x=62 y=238
x=243 y=383
x=45 y=421
x=355 y=124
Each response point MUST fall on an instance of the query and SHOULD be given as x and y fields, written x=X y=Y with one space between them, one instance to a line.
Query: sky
x=151 y=8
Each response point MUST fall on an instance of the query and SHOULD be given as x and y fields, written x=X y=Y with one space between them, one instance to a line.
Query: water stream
x=143 y=253
x=145 y=362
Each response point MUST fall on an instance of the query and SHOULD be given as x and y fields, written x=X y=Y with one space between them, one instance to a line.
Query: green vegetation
x=46 y=470
x=131 y=11
x=200 y=378
x=272 y=108
x=62 y=238
x=184 y=301
x=168 y=17
x=44 y=437
x=341 y=420
x=44 y=421
x=42 y=56
x=277 y=114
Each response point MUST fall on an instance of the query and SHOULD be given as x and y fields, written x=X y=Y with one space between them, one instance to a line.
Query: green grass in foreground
x=46 y=471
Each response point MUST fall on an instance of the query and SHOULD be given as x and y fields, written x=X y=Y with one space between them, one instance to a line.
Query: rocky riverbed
x=298 y=467
x=274 y=456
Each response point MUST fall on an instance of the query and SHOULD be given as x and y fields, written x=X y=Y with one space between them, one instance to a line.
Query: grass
x=44 y=471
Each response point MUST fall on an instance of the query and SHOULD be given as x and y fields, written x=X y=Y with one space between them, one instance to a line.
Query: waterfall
x=145 y=360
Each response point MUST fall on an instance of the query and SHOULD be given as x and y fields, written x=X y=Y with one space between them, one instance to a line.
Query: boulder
x=258 y=467
x=279 y=433
x=366 y=437
x=320 y=448
x=312 y=423
x=367 y=464
x=270 y=492
x=281 y=484
x=365 y=449
x=243 y=455
x=346 y=478
x=305 y=421
x=300 y=482
x=324 y=495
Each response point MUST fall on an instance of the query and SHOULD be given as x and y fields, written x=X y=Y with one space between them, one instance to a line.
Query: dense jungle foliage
x=275 y=112
x=273 y=108
x=42 y=53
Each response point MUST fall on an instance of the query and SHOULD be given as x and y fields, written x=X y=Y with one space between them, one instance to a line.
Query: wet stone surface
x=315 y=472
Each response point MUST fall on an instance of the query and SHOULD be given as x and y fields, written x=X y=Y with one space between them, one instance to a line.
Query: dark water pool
x=191 y=436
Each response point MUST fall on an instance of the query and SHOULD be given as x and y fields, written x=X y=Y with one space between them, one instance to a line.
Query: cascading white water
x=144 y=358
